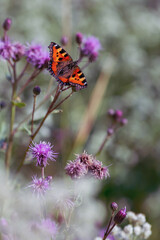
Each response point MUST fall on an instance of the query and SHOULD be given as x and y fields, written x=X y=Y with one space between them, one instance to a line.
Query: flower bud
x=118 y=113
x=79 y=37
x=120 y=216
x=2 y=104
x=124 y=121
x=7 y=24
x=110 y=131
x=93 y=57
x=111 y=112
x=36 y=90
x=114 y=206
x=64 y=40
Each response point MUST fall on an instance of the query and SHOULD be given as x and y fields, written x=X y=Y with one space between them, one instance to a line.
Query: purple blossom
x=42 y=152
x=37 y=56
x=39 y=185
x=85 y=158
x=98 y=170
x=49 y=227
x=91 y=47
x=7 y=50
x=75 y=169
x=85 y=163
x=10 y=50
x=19 y=51
x=3 y=225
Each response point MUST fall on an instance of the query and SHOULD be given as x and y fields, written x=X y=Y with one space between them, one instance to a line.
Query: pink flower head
x=7 y=49
x=98 y=170
x=85 y=163
x=75 y=169
x=37 y=56
x=40 y=185
x=42 y=152
x=10 y=50
x=85 y=158
x=91 y=47
x=19 y=51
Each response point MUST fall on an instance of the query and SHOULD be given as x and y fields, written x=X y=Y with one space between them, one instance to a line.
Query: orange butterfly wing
x=78 y=79
x=58 y=59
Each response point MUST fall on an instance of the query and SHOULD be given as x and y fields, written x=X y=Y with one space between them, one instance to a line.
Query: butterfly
x=64 y=69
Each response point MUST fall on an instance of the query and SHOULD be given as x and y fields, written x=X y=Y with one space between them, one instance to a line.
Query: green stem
x=12 y=119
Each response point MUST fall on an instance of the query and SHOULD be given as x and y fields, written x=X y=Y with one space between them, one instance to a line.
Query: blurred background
x=126 y=76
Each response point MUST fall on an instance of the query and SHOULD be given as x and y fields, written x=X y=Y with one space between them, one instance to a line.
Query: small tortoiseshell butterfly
x=64 y=69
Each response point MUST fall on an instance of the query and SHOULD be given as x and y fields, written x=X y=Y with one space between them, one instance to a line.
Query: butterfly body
x=64 y=69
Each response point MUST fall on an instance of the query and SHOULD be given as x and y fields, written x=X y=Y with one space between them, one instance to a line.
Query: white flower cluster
x=137 y=228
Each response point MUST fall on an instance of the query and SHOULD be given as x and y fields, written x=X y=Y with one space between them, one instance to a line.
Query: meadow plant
x=64 y=208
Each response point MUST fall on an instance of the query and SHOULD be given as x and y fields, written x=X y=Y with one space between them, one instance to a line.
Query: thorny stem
x=12 y=118
x=34 y=105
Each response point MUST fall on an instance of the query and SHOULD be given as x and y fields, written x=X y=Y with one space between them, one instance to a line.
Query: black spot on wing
x=57 y=46
x=81 y=76
x=62 y=51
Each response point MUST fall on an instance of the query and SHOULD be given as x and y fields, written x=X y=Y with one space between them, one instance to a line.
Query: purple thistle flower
x=85 y=158
x=98 y=171
x=42 y=152
x=37 y=56
x=91 y=47
x=85 y=163
x=10 y=50
x=75 y=169
x=7 y=50
x=19 y=51
x=39 y=185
